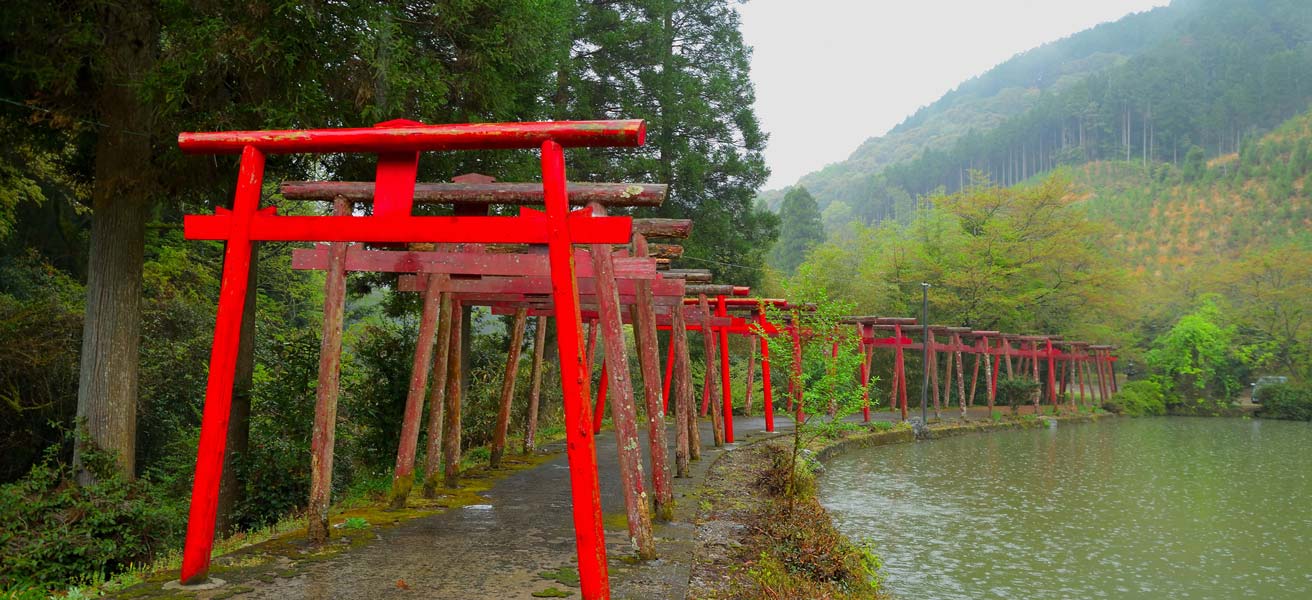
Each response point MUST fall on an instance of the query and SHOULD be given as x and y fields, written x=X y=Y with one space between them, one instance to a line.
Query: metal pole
x=924 y=359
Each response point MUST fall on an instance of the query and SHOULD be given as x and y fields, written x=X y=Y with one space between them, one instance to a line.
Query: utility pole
x=924 y=360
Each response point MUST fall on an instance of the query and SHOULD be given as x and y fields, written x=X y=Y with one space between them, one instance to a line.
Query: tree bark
x=120 y=199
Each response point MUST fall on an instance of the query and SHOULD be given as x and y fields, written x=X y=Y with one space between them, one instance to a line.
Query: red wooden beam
x=528 y=228
x=478 y=193
x=465 y=263
x=464 y=136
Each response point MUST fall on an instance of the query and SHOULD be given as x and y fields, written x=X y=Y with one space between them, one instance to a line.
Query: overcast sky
x=831 y=73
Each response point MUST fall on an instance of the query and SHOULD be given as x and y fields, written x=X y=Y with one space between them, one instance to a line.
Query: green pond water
x=1133 y=508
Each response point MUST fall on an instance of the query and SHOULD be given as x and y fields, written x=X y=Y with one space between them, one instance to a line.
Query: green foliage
x=40 y=331
x=1016 y=391
x=799 y=232
x=1286 y=401
x=58 y=532
x=1005 y=259
x=822 y=383
x=1143 y=398
x=1197 y=356
x=356 y=523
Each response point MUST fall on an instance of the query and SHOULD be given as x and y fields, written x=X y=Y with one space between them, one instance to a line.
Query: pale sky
x=831 y=73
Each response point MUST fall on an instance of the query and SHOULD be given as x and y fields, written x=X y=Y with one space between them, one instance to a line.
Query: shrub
x=1015 y=391
x=1139 y=399
x=1286 y=401
x=57 y=532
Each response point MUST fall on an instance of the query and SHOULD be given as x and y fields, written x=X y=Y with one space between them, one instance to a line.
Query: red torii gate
x=398 y=145
x=721 y=324
x=1062 y=364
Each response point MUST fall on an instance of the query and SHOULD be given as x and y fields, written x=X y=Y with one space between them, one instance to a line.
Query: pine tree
x=800 y=230
x=682 y=66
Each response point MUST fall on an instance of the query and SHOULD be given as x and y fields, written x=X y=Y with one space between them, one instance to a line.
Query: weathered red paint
x=623 y=412
x=403 y=475
x=725 y=381
x=508 y=387
x=419 y=138
x=644 y=335
x=766 y=385
x=485 y=193
x=437 y=398
x=535 y=389
x=323 y=437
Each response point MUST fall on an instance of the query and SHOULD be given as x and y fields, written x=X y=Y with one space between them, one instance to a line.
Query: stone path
x=497 y=550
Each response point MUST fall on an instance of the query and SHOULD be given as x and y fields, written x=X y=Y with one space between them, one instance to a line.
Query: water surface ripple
x=1135 y=508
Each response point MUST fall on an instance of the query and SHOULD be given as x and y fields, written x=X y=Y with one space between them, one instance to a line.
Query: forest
x=106 y=312
x=1147 y=88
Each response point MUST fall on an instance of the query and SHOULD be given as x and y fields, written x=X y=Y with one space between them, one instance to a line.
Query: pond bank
x=739 y=517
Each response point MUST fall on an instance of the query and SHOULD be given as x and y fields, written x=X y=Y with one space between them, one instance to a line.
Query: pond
x=1131 y=508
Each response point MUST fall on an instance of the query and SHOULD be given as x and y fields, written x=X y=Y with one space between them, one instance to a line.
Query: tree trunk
x=120 y=199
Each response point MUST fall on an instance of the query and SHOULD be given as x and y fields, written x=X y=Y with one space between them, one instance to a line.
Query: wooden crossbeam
x=476 y=193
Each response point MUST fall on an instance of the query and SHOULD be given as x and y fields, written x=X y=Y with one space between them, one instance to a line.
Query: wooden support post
x=599 y=407
x=1052 y=375
x=580 y=445
x=1079 y=378
x=974 y=378
x=683 y=386
x=508 y=387
x=451 y=422
x=678 y=336
x=833 y=356
x=725 y=381
x=947 y=375
x=900 y=370
x=623 y=413
x=767 y=395
x=709 y=389
x=535 y=390
x=1102 y=375
x=403 y=476
x=961 y=375
x=866 y=351
x=644 y=335
x=437 y=399
x=751 y=376
x=1034 y=368
x=990 y=377
x=325 y=396
x=223 y=363
x=933 y=371
x=669 y=372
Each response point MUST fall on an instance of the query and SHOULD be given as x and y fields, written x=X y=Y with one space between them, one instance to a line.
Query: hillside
x=1150 y=86
x=1168 y=218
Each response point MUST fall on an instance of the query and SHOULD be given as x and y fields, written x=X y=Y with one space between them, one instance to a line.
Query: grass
x=362 y=507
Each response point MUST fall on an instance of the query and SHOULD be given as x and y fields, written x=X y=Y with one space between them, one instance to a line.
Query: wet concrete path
x=498 y=549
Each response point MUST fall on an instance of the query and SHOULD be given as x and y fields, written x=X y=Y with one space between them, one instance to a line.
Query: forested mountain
x=1168 y=220
x=1149 y=87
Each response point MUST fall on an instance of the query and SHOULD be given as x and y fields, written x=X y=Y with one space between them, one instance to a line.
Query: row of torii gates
x=581 y=266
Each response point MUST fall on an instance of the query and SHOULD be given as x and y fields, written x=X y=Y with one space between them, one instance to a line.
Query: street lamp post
x=924 y=362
